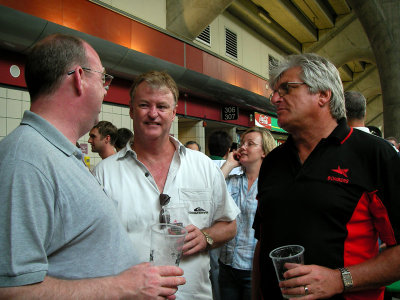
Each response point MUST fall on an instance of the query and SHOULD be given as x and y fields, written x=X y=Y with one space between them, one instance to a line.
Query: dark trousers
x=234 y=284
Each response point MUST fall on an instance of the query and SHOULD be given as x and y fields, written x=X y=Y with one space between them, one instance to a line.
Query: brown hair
x=156 y=79
x=50 y=60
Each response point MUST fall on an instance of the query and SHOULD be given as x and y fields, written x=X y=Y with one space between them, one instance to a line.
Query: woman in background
x=236 y=256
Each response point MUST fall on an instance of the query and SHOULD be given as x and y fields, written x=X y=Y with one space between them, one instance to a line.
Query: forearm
x=229 y=165
x=52 y=288
x=226 y=168
x=255 y=276
x=221 y=232
x=378 y=271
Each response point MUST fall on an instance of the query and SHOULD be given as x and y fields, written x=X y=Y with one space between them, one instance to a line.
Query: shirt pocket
x=199 y=204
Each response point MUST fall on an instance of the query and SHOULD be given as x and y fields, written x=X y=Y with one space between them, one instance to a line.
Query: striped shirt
x=238 y=252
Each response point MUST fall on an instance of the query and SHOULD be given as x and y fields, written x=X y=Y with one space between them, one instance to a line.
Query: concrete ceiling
x=327 y=27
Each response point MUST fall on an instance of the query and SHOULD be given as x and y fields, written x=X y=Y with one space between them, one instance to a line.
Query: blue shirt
x=238 y=252
x=55 y=219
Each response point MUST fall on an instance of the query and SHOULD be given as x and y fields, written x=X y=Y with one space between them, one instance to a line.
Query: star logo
x=341 y=171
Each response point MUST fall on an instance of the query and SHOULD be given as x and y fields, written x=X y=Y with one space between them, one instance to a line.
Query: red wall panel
x=228 y=73
x=150 y=41
x=119 y=91
x=48 y=10
x=7 y=59
x=211 y=66
x=246 y=80
x=194 y=58
x=95 y=20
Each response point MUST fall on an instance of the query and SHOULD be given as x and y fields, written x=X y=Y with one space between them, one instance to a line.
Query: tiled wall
x=192 y=131
x=13 y=103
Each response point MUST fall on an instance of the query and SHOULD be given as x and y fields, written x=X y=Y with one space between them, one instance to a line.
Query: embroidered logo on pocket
x=198 y=211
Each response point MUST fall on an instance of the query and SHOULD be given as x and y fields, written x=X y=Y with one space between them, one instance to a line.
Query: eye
x=162 y=107
x=285 y=87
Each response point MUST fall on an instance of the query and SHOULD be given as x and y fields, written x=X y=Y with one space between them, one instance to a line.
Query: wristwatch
x=209 y=239
x=346 y=278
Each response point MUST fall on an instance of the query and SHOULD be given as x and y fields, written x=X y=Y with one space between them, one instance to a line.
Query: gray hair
x=356 y=105
x=319 y=74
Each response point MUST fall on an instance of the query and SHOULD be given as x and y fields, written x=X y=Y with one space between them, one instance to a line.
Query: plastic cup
x=286 y=254
x=178 y=214
x=166 y=244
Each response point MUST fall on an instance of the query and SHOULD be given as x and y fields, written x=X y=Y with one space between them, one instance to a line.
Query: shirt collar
x=339 y=135
x=365 y=129
x=129 y=151
x=216 y=157
x=341 y=132
x=50 y=133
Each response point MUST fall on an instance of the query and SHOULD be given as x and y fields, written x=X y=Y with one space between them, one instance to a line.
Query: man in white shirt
x=156 y=164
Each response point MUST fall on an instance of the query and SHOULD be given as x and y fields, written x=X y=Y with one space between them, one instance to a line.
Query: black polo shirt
x=336 y=204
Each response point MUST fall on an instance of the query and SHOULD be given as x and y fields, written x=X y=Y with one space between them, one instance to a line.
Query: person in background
x=124 y=135
x=236 y=256
x=356 y=108
x=193 y=145
x=330 y=188
x=102 y=138
x=393 y=141
x=219 y=143
x=374 y=130
x=60 y=236
x=156 y=168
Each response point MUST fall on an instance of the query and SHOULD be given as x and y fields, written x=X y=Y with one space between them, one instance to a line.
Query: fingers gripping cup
x=166 y=244
x=286 y=254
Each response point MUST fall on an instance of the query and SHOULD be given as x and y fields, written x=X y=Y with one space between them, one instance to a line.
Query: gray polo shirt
x=55 y=219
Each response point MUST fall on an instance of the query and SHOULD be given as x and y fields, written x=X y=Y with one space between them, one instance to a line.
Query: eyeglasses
x=284 y=89
x=164 y=216
x=106 y=78
x=248 y=144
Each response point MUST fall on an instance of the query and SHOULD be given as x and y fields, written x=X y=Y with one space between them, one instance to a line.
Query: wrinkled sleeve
x=224 y=206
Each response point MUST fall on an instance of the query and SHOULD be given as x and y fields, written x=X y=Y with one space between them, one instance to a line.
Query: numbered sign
x=230 y=113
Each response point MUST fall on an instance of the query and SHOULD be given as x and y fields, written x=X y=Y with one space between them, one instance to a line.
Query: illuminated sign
x=268 y=122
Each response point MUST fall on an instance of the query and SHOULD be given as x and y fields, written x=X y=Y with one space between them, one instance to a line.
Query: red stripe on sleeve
x=369 y=220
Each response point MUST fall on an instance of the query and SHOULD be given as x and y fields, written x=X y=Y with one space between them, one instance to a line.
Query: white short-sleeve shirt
x=193 y=179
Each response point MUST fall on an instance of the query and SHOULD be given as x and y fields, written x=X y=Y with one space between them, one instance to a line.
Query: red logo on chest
x=340 y=171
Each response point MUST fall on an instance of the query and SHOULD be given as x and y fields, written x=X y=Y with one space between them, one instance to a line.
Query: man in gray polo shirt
x=60 y=236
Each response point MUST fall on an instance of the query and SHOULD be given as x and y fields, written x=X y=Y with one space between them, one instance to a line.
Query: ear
x=324 y=97
x=174 y=112
x=78 y=80
x=107 y=139
x=131 y=114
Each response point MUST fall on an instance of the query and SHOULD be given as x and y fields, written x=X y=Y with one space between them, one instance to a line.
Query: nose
x=275 y=97
x=243 y=146
x=153 y=112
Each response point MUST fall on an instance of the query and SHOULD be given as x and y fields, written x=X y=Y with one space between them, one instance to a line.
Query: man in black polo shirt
x=329 y=188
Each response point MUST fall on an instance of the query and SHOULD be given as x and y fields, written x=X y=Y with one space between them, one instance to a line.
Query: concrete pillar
x=381 y=22
x=188 y=18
